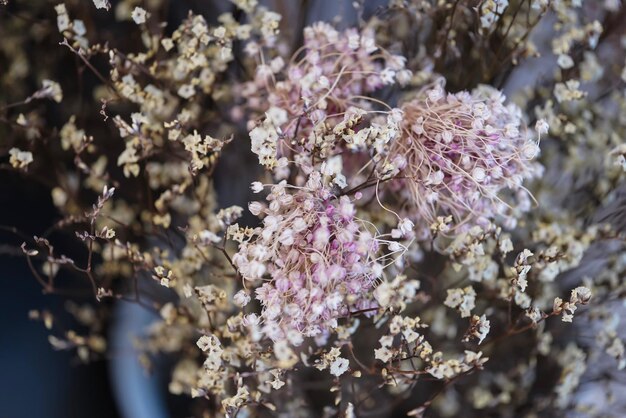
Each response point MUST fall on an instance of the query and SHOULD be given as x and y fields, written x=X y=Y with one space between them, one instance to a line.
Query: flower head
x=462 y=152
x=330 y=74
x=316 y=258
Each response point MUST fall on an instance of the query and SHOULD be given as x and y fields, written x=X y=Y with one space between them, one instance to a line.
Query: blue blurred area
x=35 y=380
x=138 y=395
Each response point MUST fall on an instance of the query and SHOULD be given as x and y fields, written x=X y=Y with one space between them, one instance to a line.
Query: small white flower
x=255 y=208
x=405 y=226
x=257 y=187
x=534 y=314
x=523 y=257
x=483 y=328
x=388 y=76
x=139 y=15
x=219 y=32
x=383 y=354
x=435 y=178
x=49 y=90
x=368 y=43
x=340 y=180
x=530 y=150
x=102 y=4
x=479 y=174
x=354 y=40
x=580 y=294
x=277 y=64
x=506 y=246
x=186 y=91
x=207 y=237
x=565 y=61
x=19 y=158
x=79 y=27
x=277 y=116
x=251 y=320
x=435 y=94
x=241 y=298
x=339 y=366
x=204 y=342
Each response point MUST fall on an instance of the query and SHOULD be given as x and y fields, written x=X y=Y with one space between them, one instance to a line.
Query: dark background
x=36 y=380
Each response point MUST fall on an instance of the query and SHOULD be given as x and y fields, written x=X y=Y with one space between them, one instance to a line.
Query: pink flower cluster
x=460 y=152
x=331 y=72
x=317 y=260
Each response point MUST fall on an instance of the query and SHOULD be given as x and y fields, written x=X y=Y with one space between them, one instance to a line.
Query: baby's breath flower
x=139 y=15
x=256 y=187
x=49 y=90
x=568 y=91
x=461 y=299
x=20 y=159
x=491 y=10
x=242 y=298
x=565 y=61
x=245 y=5
x=339 y=366
x=102 y=4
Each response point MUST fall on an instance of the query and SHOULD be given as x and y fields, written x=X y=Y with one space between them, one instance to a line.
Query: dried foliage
x=419 y=242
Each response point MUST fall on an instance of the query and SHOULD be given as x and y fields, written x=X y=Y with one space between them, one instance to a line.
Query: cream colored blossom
x=19 y=158
x=139 y=15
x=102 y=4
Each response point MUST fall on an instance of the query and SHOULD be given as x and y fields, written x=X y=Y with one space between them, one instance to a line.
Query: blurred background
x=35 y=380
